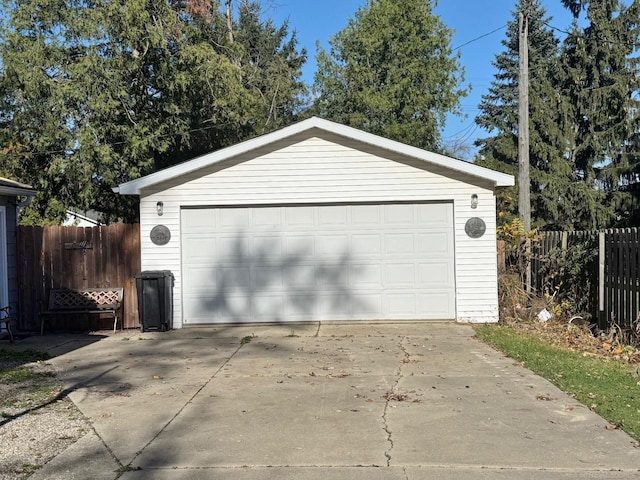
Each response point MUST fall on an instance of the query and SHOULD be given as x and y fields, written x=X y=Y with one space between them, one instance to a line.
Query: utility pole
x=524 y=188
x=524 y=181
x=229 y=15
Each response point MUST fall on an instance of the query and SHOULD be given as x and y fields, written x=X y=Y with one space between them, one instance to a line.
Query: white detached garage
x=319 y=222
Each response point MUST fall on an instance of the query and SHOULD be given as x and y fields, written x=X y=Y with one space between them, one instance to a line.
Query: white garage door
x=318 y=262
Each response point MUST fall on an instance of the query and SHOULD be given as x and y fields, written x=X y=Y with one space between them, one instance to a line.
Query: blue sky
x=318 y=20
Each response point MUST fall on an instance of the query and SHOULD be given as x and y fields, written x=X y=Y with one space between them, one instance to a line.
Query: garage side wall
x=329 y=169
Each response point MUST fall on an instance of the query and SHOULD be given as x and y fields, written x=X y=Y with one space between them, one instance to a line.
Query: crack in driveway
x=392 y=395
x=190 y=400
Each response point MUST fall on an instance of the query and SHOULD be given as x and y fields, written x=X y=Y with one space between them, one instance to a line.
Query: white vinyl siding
x=325 y=168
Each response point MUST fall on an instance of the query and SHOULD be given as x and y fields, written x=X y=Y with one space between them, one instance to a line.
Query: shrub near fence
x=565 y=265
x=600 y=271
x=77 y=258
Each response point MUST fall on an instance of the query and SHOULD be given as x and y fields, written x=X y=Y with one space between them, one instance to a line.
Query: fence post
x=601 y=262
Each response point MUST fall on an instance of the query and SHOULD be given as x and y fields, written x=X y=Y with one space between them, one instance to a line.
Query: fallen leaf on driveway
x=610 y=427
x=544 y=397
x=395 y=396
x=157 y=377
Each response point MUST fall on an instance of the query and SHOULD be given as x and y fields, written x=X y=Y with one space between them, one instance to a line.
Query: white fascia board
x=134 y=187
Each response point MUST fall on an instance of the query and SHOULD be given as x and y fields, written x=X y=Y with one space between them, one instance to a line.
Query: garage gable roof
x=13 y=188
x=134 y=187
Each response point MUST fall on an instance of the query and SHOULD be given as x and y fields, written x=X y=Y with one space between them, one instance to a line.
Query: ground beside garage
x=331 y=401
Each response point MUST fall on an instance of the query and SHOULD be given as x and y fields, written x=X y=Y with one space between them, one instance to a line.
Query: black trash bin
x=155 y=300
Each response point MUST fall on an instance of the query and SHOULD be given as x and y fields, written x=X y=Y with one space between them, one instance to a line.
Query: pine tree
x=599 y=83
x=391 y=72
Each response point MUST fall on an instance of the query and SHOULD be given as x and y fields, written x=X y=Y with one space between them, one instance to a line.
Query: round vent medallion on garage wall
x=160 y=235
x=475 y=227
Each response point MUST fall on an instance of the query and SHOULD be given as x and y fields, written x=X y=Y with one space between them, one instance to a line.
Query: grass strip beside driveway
x=607 y=386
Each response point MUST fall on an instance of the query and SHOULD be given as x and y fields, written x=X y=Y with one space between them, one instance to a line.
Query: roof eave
x=16 y=191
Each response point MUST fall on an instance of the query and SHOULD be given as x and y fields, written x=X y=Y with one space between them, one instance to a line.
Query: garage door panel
x=334 y=275
x=400 y=214
x=232 y=278
x=201 y=308
x=332 y=216
x=398 y=275
x=200 y=250
x=366 y=245
x=437 y=304
x=300 y=217
x=195 y=221
x=332 y=245
x=267 y=307
x=318 y=262
x=267 y=277
x=435 y=274
x=367 y=215
x=267 y=217
x=433 y=244
x=366 y=305
x=230 y=248
x=234 y=219
x=227 y=308
x=299 y=246
x=400 y=304
x=266 y=247
x=399 y=244
x=433 y=215
x=365 y=275
x=300 y=276
x=334 y=305
x=200 y=279
x=299 y=307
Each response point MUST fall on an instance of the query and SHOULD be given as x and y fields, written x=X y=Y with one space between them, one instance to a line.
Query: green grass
x=608 y=387
x=17 y=375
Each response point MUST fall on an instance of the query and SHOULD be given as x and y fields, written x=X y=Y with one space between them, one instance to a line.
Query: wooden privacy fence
x=77 y=258
x=605 y=271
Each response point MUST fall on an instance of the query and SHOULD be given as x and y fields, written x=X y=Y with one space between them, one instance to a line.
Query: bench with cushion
x=88 y=301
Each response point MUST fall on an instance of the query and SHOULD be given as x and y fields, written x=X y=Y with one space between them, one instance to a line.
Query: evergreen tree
x=598 y=78
x=391 y=72
x=95 y=94
x=499 y=116
x=272 y=67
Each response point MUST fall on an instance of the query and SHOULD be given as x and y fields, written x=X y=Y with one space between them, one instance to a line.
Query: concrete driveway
x=333 y=401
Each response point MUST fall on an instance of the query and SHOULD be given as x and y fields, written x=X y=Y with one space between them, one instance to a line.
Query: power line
x=613 y=42
x=464 y=131
x=480 y=37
